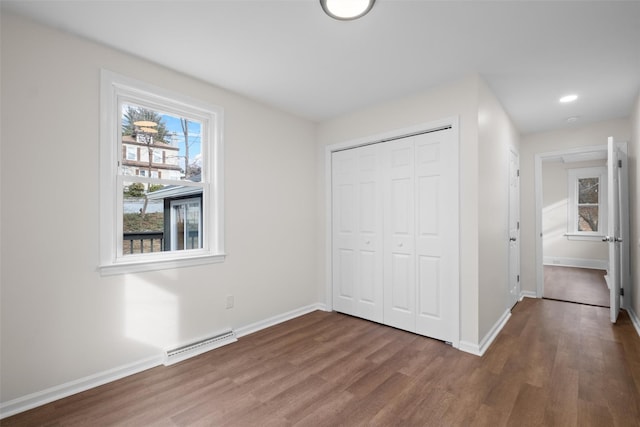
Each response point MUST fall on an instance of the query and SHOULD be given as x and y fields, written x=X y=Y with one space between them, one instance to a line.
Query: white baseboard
x=596 y=264
x=272 y=321
x=480 y=349
x=49 y=395
x=43 y=397
x=528 y=294
x=634 y=319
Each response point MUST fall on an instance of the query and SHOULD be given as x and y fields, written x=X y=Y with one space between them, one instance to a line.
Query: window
x=587 y=202
x=157 y=156
x=132 y=153
x=186 y=223
x=161 y=205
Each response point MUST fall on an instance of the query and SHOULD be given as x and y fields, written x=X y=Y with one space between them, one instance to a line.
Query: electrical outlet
x=229 y=301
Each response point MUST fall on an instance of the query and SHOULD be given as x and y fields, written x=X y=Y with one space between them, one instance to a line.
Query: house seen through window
x=156 y=216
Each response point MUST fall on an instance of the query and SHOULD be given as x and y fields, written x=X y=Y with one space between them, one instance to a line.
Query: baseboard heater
x=193 y=349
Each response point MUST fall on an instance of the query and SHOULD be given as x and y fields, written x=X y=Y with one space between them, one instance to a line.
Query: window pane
x=169 y=145
x=587 y=218
x=186 y=224
x=192 y=232
x=142 y=219
x=149 y=227
x=588 y=190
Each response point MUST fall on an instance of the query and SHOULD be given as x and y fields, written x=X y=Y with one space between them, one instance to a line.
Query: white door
x=613 y=231
x=399 y=250
x=357 y=232
x=514 y=229
x=436 y=235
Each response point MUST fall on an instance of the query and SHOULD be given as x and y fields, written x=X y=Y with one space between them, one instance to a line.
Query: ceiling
x=292 y=56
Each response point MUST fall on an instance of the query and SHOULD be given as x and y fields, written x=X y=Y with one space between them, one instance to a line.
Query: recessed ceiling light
x=346 y=10
x=568 y=98
x=572 y=119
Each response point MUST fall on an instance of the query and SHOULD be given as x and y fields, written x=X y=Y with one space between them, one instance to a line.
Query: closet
x=395 y=233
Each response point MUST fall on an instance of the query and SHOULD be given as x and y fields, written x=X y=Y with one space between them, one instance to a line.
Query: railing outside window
x=143 y=242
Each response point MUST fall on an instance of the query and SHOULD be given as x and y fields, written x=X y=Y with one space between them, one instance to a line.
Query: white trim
x=115 y=89
x=585 y=237
x=527 y=294
x=272 y=321
x=634 y=319
x=452 y=122
x=596 y=264
x=488 y=339
x=159 y=264
x=538 y=159
x=51 y=394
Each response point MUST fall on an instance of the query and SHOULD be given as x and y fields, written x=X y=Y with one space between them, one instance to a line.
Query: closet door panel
x=435 y=188
x=399 y=256
x=344 y=216
x=357 y=229
x=369 y=284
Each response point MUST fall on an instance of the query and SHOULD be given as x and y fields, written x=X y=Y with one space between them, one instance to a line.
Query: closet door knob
x=400 y=245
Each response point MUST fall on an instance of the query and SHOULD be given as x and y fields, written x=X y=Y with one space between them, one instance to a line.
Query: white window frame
x=116 y=90
x=574 y=175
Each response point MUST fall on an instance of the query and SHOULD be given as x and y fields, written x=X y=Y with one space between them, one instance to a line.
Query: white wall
x=60 y=320
x=547 y=142
x=496 y=136
x=634 y=205
x=556 y=247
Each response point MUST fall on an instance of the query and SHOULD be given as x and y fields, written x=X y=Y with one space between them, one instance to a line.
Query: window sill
x=585 y=237
x=139 y=266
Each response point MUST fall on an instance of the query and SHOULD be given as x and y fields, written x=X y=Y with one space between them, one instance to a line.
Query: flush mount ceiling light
x=568 y=98
x=346 y=10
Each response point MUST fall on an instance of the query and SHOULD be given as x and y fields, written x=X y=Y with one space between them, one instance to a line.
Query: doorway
x=574 y=219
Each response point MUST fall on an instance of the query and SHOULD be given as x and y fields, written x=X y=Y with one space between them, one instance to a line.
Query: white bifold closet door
x=394 y=233
x=357 y=232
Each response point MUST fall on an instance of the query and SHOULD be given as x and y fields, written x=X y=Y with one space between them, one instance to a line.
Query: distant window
x=186 y=224
x=157 y=156
x=165 y=126
x=587 y=201
x=132 y=153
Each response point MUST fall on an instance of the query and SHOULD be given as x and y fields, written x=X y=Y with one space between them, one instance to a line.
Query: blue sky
x=172 y=124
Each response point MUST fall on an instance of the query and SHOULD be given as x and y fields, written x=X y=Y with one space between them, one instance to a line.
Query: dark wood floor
x=581 y=285
x=554 y=364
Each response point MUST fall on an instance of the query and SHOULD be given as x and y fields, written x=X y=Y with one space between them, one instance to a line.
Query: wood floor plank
x=581 y=285
x=554 y=364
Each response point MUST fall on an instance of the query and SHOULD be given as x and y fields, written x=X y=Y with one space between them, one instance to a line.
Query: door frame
x=450 y=122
